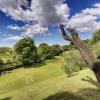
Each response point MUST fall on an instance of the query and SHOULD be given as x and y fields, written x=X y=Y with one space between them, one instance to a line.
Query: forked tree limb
x=65 y=36
x=82 y=47
x=84 y=50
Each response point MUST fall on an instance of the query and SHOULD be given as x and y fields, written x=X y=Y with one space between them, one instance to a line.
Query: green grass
x=48 y=79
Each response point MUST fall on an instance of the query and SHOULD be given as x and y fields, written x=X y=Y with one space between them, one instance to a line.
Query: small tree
x=72 y=62
x=68 y=47
x=25 y=50
x=44 y=51
x=56 y=50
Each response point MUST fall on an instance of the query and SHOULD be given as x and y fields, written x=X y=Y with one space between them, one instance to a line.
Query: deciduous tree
x=25 y=50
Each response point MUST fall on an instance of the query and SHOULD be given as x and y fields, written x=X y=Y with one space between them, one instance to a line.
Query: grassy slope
x=48 y=79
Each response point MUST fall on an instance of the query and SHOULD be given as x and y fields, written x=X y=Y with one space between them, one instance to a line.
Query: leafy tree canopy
x=25 y=50
x=44 y=50
x=96 y=37
x=56 y=49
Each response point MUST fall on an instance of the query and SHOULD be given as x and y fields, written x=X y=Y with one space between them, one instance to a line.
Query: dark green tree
x=25 y=50
x=56 y=50
x=44 y=51
x=65 y=48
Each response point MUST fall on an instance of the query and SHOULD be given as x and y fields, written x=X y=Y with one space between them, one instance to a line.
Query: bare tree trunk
x=84 y=50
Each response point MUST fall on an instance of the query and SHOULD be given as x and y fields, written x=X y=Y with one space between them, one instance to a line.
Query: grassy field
x=47 y=81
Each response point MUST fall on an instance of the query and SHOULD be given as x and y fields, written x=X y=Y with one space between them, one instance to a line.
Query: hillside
x=47 y=81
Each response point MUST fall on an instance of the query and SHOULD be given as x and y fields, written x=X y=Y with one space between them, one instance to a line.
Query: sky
x=40 y=19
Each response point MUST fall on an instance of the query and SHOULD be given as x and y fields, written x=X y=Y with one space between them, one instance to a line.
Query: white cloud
x=13 y=9
x=49 y=12
x=95 y=11
x=14 y=38
x=31 y=30
x=44 y=12
x=15 y=27
x=86 y=20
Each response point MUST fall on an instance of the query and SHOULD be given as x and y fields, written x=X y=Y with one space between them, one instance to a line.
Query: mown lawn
x=47 y=81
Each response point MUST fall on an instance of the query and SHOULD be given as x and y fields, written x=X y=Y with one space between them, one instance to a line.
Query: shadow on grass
x=72 y=75
x=64 y=96
x=4 y=73
x=7 y=98
x=10 y=68
x=91 y=81
x=35 y=65
x=83 y=94
x=89 y=94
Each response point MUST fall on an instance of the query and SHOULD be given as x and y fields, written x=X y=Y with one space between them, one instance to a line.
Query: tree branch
x=65 y=36
x=73 y=31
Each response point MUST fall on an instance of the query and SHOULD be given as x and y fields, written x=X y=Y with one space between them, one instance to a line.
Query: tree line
x=25 y=52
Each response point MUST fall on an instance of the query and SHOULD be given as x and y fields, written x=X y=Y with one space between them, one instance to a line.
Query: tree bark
x=84 y=50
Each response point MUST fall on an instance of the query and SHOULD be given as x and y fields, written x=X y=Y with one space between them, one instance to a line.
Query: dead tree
x=86 y=53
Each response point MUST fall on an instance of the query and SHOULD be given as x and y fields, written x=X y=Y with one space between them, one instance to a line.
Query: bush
x=56 y=50
x=95 y=38
x=8 y=61
x=96 y=49
x=73 y=62
x=45 y=51
x=49 y=56
x=1 y=63
x=37 y=59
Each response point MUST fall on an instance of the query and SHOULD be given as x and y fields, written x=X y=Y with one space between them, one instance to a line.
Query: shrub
x=56 y=50
x=73 y=62
x=8 y=61
x=96 y=49
x=37 y=59
x=45 y=51
x=1 y=63
x=49 y=56
x=95 y=38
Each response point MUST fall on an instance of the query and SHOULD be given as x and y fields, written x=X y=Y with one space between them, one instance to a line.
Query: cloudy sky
x=40 y=19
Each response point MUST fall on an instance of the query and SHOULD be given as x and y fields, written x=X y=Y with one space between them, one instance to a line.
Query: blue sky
x=52 y=36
